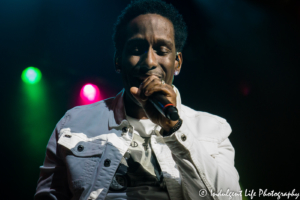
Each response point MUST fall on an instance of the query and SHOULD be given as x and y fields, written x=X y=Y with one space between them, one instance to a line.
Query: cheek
x=170 y=75
x=169 y=70
x=131 y=62
x=128 y=64
x=128 y=69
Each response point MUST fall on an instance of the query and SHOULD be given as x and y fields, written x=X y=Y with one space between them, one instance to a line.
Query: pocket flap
x=80 y=144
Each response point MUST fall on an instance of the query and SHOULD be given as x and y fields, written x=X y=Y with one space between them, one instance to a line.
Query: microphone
x=164 y=106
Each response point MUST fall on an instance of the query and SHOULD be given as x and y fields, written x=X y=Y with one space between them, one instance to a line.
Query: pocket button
x=107 y=163
x=80 y=148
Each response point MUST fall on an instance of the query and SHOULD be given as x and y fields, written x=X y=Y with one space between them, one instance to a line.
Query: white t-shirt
x=139 y=175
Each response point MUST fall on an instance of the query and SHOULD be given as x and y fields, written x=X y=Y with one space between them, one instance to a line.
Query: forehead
x=150 y=26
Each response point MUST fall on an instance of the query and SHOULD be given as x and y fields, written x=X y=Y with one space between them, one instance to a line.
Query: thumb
x=136 y=93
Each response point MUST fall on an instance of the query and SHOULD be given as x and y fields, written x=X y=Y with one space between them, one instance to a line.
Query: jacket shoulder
x=80 y=117
x=100 y=105
x=206 y=126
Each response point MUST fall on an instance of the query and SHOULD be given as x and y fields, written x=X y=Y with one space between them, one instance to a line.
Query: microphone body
x=164 y=106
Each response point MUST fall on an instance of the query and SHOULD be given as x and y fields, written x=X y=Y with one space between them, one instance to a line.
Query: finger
x=165 y=89
x=136 y=93
x=153 y=83
x=148 y=82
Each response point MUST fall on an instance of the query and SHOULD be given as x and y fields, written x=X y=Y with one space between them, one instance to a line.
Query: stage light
x=90 y=93
x=31 y=75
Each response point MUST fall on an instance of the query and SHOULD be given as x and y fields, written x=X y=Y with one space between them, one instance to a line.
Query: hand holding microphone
x=158 y=101
x=164 y=106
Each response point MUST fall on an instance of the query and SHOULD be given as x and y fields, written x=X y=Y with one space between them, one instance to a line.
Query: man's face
x=149 y=50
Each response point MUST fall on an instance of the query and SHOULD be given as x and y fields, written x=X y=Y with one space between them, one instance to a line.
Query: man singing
x=123 y=147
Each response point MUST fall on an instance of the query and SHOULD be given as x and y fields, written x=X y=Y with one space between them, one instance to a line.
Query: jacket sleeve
x=52 y=183
x=206 y=166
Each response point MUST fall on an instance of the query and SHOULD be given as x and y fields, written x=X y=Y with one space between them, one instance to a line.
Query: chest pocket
x=80 y=145
x=81 y=156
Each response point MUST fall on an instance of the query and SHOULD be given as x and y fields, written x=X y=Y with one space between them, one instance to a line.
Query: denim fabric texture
x=88 y=143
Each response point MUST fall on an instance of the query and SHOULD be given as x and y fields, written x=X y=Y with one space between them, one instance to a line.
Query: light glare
x=31 y=75
x=89 y=94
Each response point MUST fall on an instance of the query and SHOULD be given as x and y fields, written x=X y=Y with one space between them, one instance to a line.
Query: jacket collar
x=117 y=115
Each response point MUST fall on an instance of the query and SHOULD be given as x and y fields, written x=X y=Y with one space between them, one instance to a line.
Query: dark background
x=241 y=62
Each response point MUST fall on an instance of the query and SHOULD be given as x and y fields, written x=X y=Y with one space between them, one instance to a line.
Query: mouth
x=140 y=79
x=144 y=76
x=139 y=74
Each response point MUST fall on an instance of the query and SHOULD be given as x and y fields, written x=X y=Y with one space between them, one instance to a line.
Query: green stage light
x=31 y=75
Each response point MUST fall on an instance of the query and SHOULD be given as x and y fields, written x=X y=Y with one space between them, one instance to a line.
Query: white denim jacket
x=88 y=143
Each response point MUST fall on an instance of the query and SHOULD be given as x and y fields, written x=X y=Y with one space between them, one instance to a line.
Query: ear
x=117 y=62
x=178 y=62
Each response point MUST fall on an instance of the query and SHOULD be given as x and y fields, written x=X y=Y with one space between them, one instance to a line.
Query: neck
x=133 y=109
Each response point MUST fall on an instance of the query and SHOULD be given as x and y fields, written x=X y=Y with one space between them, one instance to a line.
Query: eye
x=162 y=50
x=137 y=49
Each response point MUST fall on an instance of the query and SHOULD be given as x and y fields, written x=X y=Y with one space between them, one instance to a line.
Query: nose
x=150 y=60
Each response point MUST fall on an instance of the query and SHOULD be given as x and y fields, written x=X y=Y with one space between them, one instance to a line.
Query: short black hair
x=140 y=7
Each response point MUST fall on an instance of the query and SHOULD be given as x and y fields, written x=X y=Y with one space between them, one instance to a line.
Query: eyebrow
x=135 y=40
x=158 y=42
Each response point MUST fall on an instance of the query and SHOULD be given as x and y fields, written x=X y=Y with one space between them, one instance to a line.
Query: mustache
x=146 y=71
